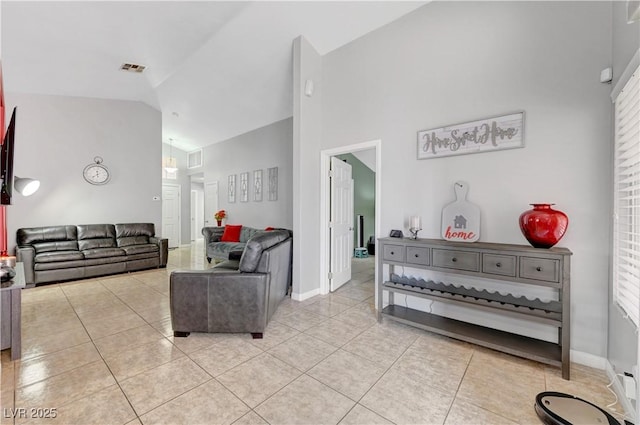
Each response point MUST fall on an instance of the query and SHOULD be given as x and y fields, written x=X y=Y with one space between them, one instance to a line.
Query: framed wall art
x=231 y=190
x=273 y=184
x=257 y=185
x=244 y=187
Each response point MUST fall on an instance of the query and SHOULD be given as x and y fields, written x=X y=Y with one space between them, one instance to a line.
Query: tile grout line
x=102 y=357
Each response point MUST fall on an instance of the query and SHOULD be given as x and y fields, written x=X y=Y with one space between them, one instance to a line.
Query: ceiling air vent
x=132 y=67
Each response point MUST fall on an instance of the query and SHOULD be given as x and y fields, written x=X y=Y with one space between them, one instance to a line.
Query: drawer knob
x=416 y=255
x=539 y=268
x=392 y=253
x=498 y=265
x=454 y=259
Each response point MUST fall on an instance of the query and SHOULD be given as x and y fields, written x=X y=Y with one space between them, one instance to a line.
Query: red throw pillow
x=269 y=228
x=231 y=233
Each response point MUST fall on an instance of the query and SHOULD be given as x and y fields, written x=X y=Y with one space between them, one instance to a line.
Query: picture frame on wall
x=273 y=184
x=231 y=191
x=244 y=187
x=257 y=185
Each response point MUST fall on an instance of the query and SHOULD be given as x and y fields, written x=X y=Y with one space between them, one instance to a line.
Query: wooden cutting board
x=461 y=218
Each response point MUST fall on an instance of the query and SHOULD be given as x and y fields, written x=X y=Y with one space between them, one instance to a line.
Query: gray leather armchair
x=234 y=296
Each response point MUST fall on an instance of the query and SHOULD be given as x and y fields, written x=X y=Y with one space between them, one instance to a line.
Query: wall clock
x=96 y=173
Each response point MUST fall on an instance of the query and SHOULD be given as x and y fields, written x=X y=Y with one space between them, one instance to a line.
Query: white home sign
x=490 y=134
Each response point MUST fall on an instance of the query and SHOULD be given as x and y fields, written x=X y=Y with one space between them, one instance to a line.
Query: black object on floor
x=563 y=409
x=235 y=255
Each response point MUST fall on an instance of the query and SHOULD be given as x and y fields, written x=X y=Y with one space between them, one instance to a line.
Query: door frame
x=179 y=211
x=325 y=211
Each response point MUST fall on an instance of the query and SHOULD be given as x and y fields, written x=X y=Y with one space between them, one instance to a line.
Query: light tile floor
x=101 y=351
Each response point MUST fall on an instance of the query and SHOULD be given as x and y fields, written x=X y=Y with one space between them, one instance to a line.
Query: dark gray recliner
x=238 y=296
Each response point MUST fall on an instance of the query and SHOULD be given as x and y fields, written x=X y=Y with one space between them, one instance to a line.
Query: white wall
x=307 y=139
x=260 y=149
x=452 y=62
x=57 y=136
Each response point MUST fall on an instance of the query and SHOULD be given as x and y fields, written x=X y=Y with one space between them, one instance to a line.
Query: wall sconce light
x=308 y=88
x=25 y=186
x=415 y=225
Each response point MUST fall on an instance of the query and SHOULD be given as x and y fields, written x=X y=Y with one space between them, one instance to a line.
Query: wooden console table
x=514 y=263
x=11 y=309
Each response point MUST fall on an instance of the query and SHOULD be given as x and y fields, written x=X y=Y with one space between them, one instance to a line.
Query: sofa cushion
x=60 y=265
x=99 y=261
x=140 y=249
x=227 y=265
x=91 y=236
x=231 y=233
x=128 y=234
x=58 y=256
x=56 y=246
x=43 y=235
x=247 y=233
x=222 y=249
x=103 y=252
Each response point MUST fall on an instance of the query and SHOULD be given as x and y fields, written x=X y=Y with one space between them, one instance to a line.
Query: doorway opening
x=363 y=156
x=197 y=212
x=171 y=219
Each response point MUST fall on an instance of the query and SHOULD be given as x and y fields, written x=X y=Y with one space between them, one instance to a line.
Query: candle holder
x=415 y=225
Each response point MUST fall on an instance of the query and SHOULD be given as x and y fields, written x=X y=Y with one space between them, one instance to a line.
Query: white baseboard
x=622 y=398
x=296 y=296
x=587 y=359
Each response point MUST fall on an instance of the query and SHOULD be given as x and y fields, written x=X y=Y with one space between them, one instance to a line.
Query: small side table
x=11 y=311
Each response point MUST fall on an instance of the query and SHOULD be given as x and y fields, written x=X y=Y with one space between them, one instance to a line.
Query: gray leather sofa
x=234 y=296
x=215 y=248
x=59 y=253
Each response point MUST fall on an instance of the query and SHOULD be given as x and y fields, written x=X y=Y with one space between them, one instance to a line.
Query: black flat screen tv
x=6 y=162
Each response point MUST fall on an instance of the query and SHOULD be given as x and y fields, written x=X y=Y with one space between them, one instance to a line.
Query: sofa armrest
x=225 y=301
x=212 y=234
x=26 y=255
x=163 y=244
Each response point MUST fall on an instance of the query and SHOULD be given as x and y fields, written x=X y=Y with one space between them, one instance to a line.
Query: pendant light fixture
x=170 y=163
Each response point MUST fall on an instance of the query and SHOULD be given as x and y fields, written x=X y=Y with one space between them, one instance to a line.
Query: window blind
x=626 y=236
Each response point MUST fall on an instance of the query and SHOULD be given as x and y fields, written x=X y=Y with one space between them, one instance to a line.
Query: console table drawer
x=539 y=269
x=504 y=265
x=458 y=260
x=418 y=255
x=393 y=252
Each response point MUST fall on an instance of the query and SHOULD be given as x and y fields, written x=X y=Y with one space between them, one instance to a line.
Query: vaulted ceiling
x=214 y=69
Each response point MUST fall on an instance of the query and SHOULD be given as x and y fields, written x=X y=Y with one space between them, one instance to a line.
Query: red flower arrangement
x=219 y=216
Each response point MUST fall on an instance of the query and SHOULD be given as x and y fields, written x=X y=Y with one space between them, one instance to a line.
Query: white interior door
x=171 y=214
x=341 y=226
x=210 y=202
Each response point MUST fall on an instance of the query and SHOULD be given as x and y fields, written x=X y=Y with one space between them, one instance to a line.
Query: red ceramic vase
x=219 y=223
x=543 y=226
